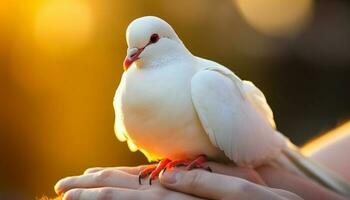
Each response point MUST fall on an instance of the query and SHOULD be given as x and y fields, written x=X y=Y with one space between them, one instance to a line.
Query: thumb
x=213 y=186
x=191 y=182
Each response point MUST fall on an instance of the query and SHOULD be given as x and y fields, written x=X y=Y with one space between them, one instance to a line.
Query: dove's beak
x=132 y=56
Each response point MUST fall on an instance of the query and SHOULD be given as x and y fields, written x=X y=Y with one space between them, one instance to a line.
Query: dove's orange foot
x=154 y=170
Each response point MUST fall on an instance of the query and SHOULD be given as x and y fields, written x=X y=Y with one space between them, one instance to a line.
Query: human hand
x=114 y=183
x=265 y=176
x=122 y=183
x=217 y=186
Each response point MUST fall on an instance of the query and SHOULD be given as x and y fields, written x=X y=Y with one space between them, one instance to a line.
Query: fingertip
x=66 y=196
x=196 y=182
x=58 y=187
x=72 y=194
x=170 y=177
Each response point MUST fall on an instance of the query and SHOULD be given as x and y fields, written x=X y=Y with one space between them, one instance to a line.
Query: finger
x=103 y=178
x=129 y=170
x=241 y=172
x=123 y=194
x=132 y=170
x=286 y=194
x=214 y=186
x=105 y=193
x=93 y=170
x=172 y=195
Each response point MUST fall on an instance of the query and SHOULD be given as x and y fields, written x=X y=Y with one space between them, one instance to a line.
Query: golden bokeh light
x=63 y=25
x=276 y=17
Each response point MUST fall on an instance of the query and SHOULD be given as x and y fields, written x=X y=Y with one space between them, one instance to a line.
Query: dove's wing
x=257 y=98
x=119 y=128
x=233 y=118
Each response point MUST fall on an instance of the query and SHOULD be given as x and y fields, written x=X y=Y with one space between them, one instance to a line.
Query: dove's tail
x=295 y=162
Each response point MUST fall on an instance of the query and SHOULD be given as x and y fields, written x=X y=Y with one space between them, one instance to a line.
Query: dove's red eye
x=154 y=38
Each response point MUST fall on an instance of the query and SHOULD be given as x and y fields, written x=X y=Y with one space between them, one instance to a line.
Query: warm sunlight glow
x=61 y=62
x=326 y=140
x=276 y=17
x=63 y=25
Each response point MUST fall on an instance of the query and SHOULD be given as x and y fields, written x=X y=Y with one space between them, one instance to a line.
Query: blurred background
x=61 y=61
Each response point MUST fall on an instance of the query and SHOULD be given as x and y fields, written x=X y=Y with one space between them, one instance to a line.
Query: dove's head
x=150 y=39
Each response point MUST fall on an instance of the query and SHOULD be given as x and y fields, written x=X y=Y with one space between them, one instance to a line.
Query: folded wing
x=236 y=117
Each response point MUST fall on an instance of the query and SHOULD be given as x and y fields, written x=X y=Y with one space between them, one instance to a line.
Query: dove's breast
x=159 y=115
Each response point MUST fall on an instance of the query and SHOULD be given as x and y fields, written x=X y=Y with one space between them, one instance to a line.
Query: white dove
x=182 y=109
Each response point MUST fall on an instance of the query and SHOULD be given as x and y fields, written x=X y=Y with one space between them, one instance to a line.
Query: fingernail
x=171 y=176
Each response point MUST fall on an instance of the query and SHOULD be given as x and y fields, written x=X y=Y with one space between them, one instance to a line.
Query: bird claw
x=146 y=172
x=209 y=169
x=154 y=170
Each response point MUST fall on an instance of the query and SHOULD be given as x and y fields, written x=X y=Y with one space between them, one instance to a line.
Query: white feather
x=230 y=120
x=119 y=128
x=171 y=104
x=258 y=100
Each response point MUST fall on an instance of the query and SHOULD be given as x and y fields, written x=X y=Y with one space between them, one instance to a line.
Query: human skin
x=227 y=182
x=332 y=150
x=122 y=183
